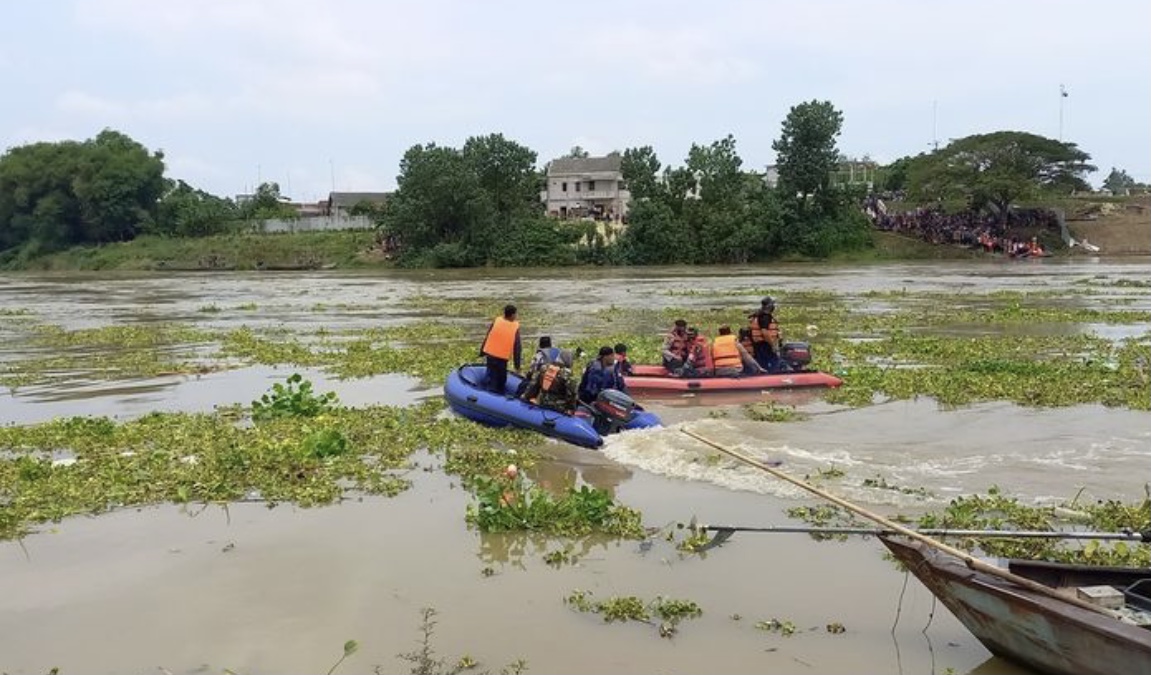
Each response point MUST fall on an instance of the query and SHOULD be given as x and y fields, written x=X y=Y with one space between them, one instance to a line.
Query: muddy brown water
x=260 y=591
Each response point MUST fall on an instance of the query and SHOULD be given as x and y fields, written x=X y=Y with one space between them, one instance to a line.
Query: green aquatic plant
x=505 y=504
x=998 y=511
x=293 y=398
x=669 y=611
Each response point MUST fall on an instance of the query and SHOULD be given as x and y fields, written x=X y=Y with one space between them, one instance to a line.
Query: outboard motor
x=611 y=411
x=797 y=355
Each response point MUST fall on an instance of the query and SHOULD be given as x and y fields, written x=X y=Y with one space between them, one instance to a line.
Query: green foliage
x=805 y=150
x=997 y=511
x=55 y=195
x=512 y=504
x=997 y=170
x=471 y=206
x=669 y=611
x=425 y=661
x=184 y=211
x=1118 y=181
x=294 y=398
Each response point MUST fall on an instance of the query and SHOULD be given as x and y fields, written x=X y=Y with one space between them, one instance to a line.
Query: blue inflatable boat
x=466 y=394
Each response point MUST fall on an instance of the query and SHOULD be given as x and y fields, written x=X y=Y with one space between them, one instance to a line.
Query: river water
x=256 y=590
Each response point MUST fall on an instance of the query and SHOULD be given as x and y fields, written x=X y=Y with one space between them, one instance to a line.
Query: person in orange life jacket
x=622 y=365
x=599 y=375
x=545 y=355
x=675 y=347
x=729 y=358
x=500 y=345
x=765 y=337
x=554 y=386
x=698 y=361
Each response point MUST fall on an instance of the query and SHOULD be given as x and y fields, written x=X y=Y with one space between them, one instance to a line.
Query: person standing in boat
x=675 y=347
x=501 y=345
x=729 y=357
x=765 y=336
x=600 y=374
x=553 y=386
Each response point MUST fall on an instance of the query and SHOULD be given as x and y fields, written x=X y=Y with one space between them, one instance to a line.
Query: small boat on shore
x=616 y=412
x=657 y=378
x=1038 y=630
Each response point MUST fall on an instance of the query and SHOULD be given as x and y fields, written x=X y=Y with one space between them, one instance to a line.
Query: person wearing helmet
x=765 y=336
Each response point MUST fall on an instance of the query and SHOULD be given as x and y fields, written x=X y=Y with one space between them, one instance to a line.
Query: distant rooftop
x=578 y=165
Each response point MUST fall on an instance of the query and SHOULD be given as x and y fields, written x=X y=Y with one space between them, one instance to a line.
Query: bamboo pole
x=968 y=559
x=934 y=532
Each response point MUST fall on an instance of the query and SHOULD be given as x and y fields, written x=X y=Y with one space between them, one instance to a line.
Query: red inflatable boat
x=657 y=378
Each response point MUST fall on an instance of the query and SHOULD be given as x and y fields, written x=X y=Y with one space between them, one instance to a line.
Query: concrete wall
x=318 y=224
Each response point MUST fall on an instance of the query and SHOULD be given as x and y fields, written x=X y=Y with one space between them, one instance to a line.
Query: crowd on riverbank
x=968 y=228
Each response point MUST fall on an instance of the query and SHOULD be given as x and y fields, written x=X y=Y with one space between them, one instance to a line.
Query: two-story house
x=586 y=187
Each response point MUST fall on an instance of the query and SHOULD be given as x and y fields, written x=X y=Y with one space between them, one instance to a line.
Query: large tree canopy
x=999 y=169
x=805 y=151
x=54 y=195
x=474 y=206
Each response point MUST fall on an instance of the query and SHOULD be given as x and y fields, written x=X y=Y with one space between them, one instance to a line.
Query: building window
x=565 y=189
x=591 y=186
x=577 y=185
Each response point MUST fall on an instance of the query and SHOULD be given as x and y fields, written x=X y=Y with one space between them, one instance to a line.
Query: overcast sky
x=299 y=91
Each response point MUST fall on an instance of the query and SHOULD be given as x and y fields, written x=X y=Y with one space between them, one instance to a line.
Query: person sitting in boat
x=1035 y=250
x=554 y=387
x=545 y=355
x=501 y=345
x=765 y=336
x=622 y=365
x=698 y=361
x=675 y=347
x=729 y=358
x=600 y=375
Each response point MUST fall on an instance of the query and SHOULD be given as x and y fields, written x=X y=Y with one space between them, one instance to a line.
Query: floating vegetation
x=425 y=661
x=780 y=627
x=510 y=503
x=996 y=511
x=669 y=611
x=880 y=483
x=770 y=411
x=91 y=465
x=1031 y=348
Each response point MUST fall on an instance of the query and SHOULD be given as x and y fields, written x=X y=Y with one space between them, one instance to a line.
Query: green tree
x=640 y=168
x=184 y=211
x=1118 y=182
x=806 y=153
x=437 y=200
x=993 y=171
x=54 y=195
x=576 y=153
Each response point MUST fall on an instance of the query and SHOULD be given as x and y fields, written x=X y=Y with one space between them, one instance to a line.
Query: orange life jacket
x=551 y=374
x=501 y=340
x=677 y=344
x=698 y=354
x=768 y=333
x=725 y=352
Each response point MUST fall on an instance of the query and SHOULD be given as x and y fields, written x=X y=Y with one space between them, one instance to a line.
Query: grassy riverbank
x=300 y=250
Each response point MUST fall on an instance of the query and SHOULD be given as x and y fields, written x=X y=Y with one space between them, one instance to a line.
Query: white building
x=580 y=187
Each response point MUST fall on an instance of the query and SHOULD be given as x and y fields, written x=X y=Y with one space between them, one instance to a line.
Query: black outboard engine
x=797 y=355
x=611 y=411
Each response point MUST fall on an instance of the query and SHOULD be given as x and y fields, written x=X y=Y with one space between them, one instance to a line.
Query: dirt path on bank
x=1117 y=229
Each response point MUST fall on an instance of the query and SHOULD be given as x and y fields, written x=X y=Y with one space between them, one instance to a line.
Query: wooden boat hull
x=1032 y=629
x=657 y=378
